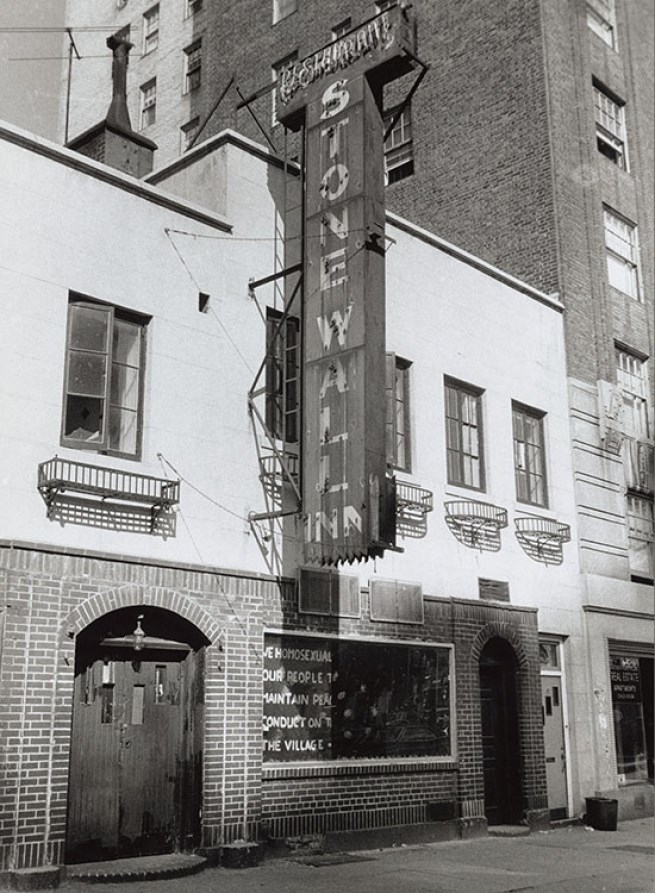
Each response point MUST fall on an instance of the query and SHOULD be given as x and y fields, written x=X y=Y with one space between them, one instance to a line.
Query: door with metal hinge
x=553 y=724
x=128 y=753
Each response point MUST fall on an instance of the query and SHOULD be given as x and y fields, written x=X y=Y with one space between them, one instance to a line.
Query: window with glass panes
x=148 y=104
x=187 y=133
x=342 y=28
x=398 y=150
x=621 y=250
x=398 y=417
x=193 y=63
x=631 y=374
x=529 y=458
x=601 y=19
x=641 y=534
x=610 y=128
x=103 y=379
x=283 y=8
x=151 y=29
x=282 y=375
x=464 y=451
x=192 y=7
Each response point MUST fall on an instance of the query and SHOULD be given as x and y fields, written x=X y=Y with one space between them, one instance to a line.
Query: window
x=283 y=8
x=383 y=5
x=398 y=151
x=621 y=250
x=282 y=376
x=148 y=104
x=151 y=30
x=398 y=418
x=276 y=71
x=464 y=452
x=641 y=535
x=342 y=28
x=192 y=7
x=631 y=676
x=632 y=377
x=187 y=134
x=601 y=18
x=103 y=381
x=529 y=464
x=355 y=699
x=610 y=128
x=192 y=66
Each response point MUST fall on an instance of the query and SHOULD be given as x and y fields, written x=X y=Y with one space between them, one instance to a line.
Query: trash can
x=602 y=813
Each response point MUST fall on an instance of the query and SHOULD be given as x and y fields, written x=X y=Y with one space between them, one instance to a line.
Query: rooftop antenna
x=71 y=47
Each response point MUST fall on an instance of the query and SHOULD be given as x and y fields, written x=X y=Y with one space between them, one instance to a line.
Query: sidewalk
x=566 y=860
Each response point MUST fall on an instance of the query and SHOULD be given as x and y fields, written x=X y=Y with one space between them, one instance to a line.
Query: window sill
x=371 y=766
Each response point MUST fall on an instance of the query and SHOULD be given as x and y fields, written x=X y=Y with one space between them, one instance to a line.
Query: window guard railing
x=476 y=524
x=542 y=538
x=412 y=505
x=59 y=476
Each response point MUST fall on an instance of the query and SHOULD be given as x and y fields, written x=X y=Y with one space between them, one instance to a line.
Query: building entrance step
x=140 y=868
x=508 y=830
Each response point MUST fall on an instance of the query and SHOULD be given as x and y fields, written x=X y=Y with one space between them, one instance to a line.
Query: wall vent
x=493 y=590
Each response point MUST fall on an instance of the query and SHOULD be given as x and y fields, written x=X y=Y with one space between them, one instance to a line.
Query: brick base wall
x=48 y=599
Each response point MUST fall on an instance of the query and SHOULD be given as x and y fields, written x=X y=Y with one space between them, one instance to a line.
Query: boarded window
x=493 y=590
x=396 y=602
x=329 y=592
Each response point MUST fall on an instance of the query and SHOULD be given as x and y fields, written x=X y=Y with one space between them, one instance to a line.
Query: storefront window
x=632 y=695
x=330 y=699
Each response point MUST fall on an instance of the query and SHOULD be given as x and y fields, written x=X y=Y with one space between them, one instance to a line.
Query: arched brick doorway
x=501 y=756
x=135 y=781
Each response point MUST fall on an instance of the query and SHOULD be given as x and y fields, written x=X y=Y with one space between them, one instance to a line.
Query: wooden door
x=500 y=745
x=127 y=755
x=553 y=719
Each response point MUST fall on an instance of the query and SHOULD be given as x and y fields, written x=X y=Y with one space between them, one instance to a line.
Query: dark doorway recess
x=135 y=782
x=500 y=734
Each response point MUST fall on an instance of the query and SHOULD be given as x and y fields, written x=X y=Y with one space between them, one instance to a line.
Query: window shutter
x=390 y=404
x=394 y=602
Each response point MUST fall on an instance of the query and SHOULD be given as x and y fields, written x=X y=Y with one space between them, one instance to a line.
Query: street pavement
x=564 y=860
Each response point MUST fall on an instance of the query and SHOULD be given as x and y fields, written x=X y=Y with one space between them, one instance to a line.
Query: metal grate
x=57 y=477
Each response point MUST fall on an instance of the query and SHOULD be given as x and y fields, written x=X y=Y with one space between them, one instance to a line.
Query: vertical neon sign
x=344 y=453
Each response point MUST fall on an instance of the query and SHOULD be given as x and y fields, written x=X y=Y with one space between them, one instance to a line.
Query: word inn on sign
x=347 y=495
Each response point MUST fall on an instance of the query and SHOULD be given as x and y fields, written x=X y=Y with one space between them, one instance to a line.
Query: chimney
x=112 y=141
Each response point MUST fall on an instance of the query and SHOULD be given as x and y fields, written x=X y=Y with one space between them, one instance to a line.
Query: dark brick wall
x=506 y=164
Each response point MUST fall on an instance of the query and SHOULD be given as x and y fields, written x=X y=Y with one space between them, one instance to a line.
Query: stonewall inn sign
x=337 y=94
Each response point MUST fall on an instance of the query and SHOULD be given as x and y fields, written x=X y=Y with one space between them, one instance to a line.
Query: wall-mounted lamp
x=138 y=635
